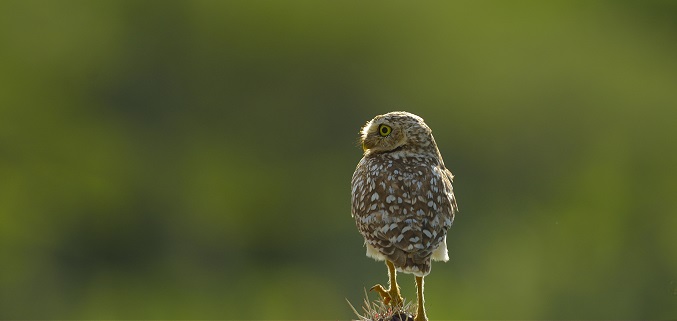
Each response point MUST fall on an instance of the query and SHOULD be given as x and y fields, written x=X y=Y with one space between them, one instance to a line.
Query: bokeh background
x=192 y=159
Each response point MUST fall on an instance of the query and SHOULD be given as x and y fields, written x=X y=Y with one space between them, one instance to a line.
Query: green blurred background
x=192 y=159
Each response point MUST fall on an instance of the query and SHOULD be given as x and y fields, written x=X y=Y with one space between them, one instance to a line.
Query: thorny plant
x=378 y=311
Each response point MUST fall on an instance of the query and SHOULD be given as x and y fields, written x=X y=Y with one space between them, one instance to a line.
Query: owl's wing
x=425 y=214
x=449 y=191
x=429 y=210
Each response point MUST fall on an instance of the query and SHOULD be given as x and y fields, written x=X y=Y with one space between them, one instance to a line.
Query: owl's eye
x=384 y=130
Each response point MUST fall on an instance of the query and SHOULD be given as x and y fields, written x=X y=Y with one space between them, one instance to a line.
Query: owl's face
x=395 y=131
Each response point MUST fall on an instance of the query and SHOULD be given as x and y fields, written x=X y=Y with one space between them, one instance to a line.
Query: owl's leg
x=420 y=310
x=392 y=294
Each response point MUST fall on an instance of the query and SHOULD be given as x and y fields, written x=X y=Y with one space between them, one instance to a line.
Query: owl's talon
x=388 y=296
x=384 y=294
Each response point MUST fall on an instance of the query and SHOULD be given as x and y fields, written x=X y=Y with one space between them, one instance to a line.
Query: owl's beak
x=364 y=147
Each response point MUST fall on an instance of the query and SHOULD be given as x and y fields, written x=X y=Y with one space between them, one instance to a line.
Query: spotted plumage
x=402 y=197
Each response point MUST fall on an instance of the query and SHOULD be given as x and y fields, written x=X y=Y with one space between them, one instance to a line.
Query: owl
x=402 y=200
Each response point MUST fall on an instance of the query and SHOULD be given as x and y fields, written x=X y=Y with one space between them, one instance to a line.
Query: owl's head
x=397 y=131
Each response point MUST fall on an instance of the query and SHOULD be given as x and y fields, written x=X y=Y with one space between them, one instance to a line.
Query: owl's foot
x=391 y=296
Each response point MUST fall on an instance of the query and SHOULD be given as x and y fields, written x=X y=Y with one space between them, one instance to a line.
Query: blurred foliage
x=192 y=159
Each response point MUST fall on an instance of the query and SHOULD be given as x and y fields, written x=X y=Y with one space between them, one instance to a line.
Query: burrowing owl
x=402 y=199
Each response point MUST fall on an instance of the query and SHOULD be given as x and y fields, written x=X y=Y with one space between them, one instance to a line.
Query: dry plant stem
x=392 y=295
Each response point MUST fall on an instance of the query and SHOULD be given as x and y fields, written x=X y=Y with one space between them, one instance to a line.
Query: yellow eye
x=384 y=130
